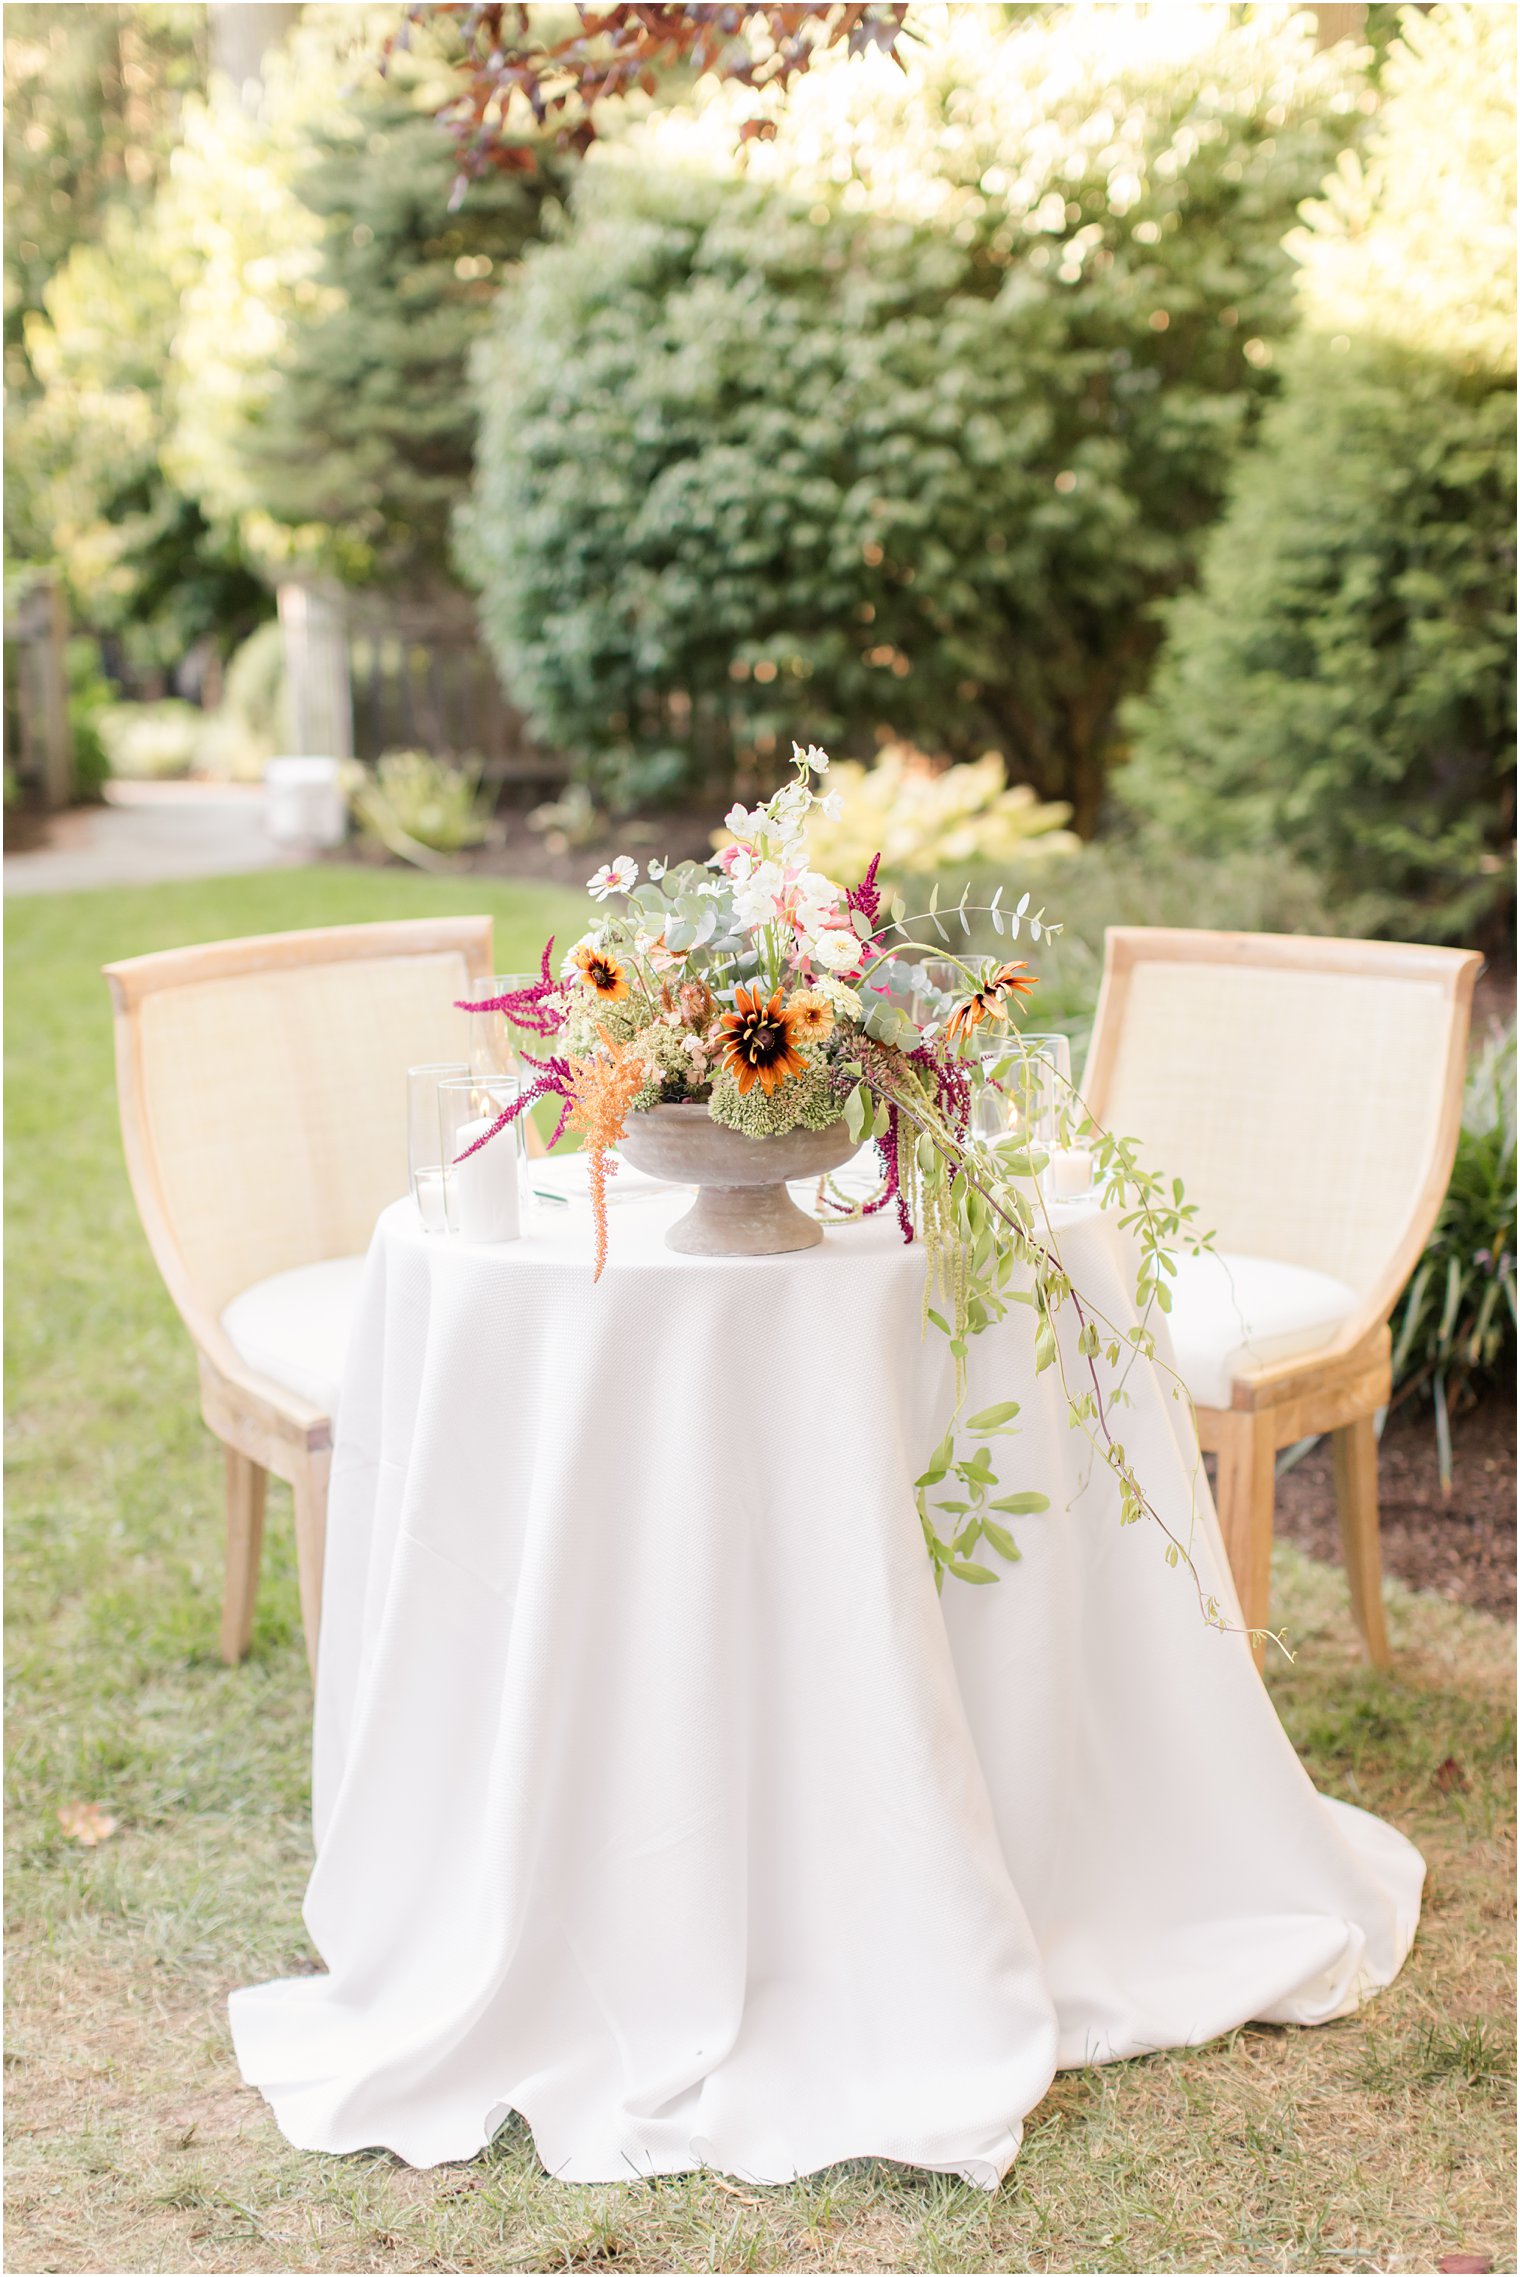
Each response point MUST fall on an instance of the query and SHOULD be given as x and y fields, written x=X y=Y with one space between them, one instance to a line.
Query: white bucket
x=304 y=803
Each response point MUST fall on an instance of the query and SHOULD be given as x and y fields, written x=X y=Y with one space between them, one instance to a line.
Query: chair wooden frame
x=1339 y=1388
x=262 y=1425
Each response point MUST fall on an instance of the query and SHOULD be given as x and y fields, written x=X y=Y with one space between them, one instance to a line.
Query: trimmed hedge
x=913 y=455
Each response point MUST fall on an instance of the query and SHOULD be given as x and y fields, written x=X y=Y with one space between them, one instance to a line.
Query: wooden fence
x=368 y=674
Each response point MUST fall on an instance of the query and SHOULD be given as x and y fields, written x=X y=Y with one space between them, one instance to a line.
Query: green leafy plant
x=364 y=445
x=251 y=723
x=150 y=740
x=89 y=694
x=1342 y=684
x=418 y=806
x=919 y=818
x=1454 y=1328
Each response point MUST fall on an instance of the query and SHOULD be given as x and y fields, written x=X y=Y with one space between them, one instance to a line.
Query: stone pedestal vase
x=742 y=1207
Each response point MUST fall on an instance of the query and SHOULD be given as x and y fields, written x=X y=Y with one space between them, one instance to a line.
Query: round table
x=658 y=1797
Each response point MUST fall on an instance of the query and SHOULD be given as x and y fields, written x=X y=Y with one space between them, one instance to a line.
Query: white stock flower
x=815 y=760
x=758 y=894
x=816 y=897
x=620 y=876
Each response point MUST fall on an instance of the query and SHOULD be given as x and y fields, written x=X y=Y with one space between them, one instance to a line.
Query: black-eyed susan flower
x=600 y=970
x=759 y=1043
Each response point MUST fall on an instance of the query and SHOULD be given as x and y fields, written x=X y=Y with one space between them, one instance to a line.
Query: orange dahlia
x=989 y=1002
x=758 y=1041
x=602 y=972
x=811 y=1015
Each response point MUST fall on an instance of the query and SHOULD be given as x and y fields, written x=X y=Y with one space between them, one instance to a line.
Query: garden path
x=148 y=834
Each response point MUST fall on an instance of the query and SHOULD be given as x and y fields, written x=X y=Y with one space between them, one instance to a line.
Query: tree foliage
x=92 y=100
x=366 y=436
x=518 y=84
x=95 y=101
x=1343 y=682
x=905 y=428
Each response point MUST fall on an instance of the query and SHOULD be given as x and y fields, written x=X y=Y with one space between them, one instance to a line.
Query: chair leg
x=1354 y=1455
x=1245 y=1496
x=247 y=1482
x=309 y=1494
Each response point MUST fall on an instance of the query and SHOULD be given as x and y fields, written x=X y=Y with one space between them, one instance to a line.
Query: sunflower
x=601 y=972
x=989 y=1002
x=811 y=1015
x=759 y=1041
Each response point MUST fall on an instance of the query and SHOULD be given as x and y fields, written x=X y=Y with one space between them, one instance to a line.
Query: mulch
x=1462 y=1548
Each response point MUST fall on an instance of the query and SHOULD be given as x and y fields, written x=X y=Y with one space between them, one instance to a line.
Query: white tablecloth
x=658 y=1796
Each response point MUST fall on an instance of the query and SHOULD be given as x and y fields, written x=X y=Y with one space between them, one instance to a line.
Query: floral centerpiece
x=756 y=994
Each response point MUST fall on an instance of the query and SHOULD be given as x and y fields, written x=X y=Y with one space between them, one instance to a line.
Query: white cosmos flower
x=595 y=939
x=620 y=876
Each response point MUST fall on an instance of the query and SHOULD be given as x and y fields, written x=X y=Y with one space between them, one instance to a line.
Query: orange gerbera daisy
x=758 y=1042
x=602 y=972
x=989 y=1002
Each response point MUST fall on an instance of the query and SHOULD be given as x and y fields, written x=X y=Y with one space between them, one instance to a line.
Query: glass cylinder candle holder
x=424 y=1139
x=936 y=985
x=1067 y=1172
x=482 y=1183
x=497 y=1042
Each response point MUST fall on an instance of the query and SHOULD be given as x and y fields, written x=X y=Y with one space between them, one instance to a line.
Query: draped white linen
x=659 y=1798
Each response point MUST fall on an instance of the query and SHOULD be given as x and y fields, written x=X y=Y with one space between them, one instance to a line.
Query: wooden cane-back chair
x=262 y=1087
x=1309 y=1094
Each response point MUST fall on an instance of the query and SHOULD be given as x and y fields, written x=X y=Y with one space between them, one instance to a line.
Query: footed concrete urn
x=742 y=1207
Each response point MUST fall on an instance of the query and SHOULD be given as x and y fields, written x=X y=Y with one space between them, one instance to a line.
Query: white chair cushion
x=1230 y=1314
x=295 y=1327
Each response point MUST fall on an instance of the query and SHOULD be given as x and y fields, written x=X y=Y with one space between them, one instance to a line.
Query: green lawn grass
x=1378 y=2143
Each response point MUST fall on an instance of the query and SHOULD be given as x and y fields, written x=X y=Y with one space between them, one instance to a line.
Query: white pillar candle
x=489 y=1208
x=1070 y=1173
